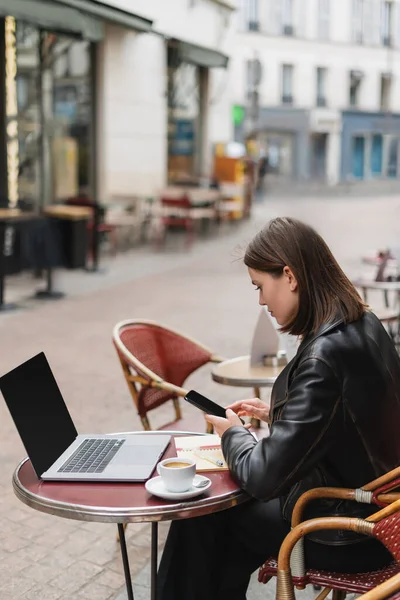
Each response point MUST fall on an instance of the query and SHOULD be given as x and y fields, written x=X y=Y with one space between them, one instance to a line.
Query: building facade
x=319 y=85
x=110 y=98
x=165 y=95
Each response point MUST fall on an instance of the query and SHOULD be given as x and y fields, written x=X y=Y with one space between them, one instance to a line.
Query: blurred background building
x=110 y=98
x=117 y=97
x=317 y=84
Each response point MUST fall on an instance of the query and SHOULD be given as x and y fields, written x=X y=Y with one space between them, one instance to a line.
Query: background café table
x=9 y=217
x=238 y=372
x=123 y=503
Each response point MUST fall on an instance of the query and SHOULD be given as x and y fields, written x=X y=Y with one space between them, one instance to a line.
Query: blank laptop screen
x=39 y=412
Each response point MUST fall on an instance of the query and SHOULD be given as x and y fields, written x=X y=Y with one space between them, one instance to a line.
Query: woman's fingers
x=236 y=406
x=261 y=413
x=253 y=409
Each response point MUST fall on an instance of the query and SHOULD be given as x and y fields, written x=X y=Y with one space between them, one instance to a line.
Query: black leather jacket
x=335 y=414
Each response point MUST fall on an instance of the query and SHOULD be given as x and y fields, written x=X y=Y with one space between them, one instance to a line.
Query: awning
x=108 y=13
x=49 y=15
x=198 y=55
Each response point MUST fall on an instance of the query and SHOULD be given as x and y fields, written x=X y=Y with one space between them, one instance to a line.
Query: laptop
x=52 y=443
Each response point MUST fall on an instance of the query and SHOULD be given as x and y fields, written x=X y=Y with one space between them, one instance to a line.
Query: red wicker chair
x=156 y=361
x=177 y=208
x=383 y=525
x=389 y=590
x=380 y=492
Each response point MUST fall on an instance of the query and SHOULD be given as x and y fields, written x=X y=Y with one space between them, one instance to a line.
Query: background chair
x=383 y=525
x=184 y=208
x=156 y=361
x=381 y=492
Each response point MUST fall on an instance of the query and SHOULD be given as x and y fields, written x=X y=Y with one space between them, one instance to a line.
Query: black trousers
x=213 y=557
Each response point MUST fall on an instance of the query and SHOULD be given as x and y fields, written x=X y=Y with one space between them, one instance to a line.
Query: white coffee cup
x=177 y=478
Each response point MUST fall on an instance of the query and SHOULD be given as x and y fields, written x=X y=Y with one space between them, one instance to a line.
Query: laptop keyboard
x=92 y=456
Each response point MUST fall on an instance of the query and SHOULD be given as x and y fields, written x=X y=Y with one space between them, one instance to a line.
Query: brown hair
x=324 y=290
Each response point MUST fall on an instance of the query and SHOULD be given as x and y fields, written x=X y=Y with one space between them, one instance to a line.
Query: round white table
x=238 y=372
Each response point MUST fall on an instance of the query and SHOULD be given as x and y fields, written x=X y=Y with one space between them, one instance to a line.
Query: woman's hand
x=221 y=425
x=254 y=408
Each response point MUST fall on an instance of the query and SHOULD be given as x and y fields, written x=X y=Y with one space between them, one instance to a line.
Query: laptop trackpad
x=136 y=455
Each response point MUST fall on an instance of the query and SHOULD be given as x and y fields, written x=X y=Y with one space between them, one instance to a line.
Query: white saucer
x=156 y=487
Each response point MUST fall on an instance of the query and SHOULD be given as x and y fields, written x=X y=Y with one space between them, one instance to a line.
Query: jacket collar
x=324 y=328
x=286 y=375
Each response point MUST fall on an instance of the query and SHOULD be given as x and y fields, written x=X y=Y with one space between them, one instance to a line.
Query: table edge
x=237 y=381
x=116 y=515
x=248 y=383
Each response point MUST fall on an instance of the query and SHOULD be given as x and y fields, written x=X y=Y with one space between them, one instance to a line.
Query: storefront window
x=54 y=116
x=71 y=118
x=184 y=120
x=393 y=157
x=28 y=98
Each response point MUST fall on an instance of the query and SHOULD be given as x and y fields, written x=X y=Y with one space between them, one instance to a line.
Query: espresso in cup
x=177 y=474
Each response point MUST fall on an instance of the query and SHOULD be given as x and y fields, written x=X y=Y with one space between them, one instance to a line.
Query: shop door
x=376 y=155
x=319 y=143
x=393 y=158
x=358 y=156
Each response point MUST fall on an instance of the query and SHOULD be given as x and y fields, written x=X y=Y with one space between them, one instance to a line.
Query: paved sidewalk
x=205 y=293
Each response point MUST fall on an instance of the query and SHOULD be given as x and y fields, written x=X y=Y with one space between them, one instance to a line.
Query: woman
x=334 y=417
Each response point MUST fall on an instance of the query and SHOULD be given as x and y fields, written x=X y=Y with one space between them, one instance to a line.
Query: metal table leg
x=49 y=293
x=154 y=550
x=125 y=561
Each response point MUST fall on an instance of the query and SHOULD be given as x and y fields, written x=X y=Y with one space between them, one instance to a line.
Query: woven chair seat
x=356 y=583
x=170 y=356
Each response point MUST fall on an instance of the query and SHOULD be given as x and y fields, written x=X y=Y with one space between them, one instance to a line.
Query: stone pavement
x=206 y=294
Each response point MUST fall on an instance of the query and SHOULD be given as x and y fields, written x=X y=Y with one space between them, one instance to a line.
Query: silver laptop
x=52 y=443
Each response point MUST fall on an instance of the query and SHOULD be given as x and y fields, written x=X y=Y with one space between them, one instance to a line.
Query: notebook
x=205 y=450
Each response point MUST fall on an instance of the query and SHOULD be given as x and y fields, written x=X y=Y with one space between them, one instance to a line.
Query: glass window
x=54 y=115
x=323 y=19
x=385 y=91
x=393 y=157
x=386 y=18
x=184 y=119
x=321 y=86
x=287 y=84
x=287 y=17
x=354 y=90
x=28 y=94
x=357 y=21
x=70 y=117
x=252 y=15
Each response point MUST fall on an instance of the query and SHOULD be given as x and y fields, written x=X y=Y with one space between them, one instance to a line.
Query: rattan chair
x=389 y=590
x=383 y=525
x=156 y=362
x=381 y=492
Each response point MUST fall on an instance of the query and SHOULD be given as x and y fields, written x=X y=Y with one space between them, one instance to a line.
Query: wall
x=306 y=52
x=132 y=119
x=202 y=22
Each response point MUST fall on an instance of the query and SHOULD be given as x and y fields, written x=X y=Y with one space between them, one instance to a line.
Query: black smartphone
x=203 y=403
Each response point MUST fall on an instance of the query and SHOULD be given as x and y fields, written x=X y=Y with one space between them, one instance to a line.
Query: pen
x=214 y=461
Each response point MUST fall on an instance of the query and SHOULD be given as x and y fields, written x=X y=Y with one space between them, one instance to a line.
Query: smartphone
x=203 y=403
